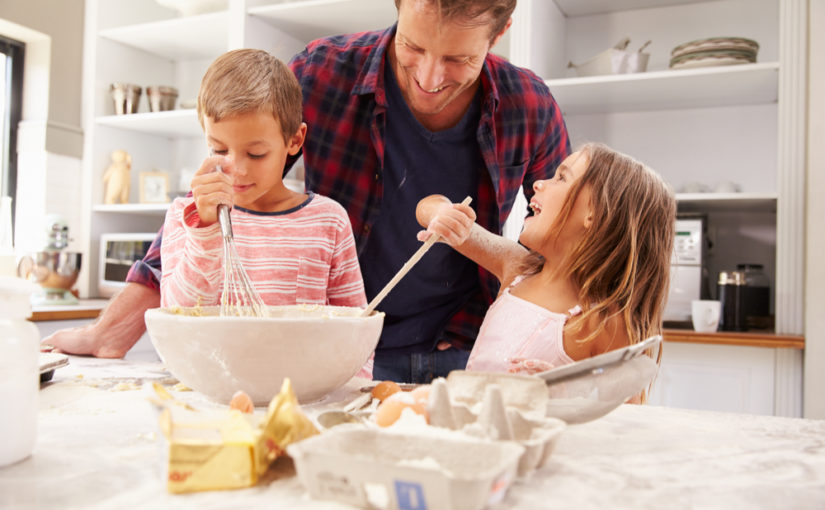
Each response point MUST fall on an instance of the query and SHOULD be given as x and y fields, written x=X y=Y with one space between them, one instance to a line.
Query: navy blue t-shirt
x=417 y=163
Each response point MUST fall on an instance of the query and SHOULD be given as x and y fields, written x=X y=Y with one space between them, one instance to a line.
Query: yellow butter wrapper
x=227 y=449
x=210 y=452
x=285 y=423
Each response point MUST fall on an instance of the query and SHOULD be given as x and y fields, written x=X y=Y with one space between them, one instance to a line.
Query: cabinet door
x=716 y=378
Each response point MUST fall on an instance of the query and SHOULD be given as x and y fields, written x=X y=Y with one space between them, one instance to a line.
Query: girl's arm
x=455 y=223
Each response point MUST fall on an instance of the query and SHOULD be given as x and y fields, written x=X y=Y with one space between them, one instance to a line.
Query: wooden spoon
x=405 y=269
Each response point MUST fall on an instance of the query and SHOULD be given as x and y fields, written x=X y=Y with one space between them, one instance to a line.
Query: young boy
x=295 y=247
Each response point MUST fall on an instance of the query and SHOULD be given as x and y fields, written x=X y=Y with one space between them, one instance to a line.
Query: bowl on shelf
x=714 y=51
x=161 y=99
x=319 y=348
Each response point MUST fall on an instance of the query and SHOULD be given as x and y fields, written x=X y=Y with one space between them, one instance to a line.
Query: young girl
x=592 y=274
x=296 y=247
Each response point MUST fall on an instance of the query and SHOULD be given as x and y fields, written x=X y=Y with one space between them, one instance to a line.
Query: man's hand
x=118 y=328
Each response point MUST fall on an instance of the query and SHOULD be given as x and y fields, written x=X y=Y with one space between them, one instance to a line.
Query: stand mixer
x=54 y=269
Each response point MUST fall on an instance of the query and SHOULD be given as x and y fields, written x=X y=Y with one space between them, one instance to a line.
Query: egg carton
x=379 y=468
x=497 y=407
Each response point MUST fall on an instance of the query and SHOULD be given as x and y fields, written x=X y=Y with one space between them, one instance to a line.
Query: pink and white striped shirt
x=303 y=255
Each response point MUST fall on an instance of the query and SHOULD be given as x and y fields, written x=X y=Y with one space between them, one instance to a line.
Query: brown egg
x=390 y=409
x=241 y=402
x=384 y=389
x=421 y=394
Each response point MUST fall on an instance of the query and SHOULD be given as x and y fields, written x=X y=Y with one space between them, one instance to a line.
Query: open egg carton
x=463 y=455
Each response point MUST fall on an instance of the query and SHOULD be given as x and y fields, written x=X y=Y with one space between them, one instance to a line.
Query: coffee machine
x=687 y=270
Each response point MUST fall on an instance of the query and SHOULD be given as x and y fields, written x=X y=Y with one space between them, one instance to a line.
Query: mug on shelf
x=705 y=314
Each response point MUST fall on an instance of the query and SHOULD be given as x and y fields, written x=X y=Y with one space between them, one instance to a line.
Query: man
x=422 y=107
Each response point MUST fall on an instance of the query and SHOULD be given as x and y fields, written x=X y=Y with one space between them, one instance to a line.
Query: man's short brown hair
x=242 y=81
x=474 y=11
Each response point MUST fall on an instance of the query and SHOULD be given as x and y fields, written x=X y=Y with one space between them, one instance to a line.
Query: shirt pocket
x=312 y=281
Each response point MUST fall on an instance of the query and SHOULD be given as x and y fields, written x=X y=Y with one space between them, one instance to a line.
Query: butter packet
x=227 y=449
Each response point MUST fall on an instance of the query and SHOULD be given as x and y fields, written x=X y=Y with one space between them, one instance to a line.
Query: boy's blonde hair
x=622 y=263
x=243 y=81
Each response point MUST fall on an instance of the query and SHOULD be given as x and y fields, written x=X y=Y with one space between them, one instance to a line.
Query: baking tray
x=49 y=362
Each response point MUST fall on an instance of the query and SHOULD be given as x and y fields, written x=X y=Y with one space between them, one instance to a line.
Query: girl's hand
x=212 y=187
x=450 y=221
x=528 y=366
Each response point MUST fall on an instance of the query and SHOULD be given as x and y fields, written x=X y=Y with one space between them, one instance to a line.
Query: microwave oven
x=117 y=254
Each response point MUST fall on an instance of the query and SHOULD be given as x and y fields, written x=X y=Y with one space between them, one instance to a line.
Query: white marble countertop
x=99 y=446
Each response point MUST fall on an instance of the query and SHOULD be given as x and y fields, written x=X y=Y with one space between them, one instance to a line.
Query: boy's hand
x=440 y=216
x=212 y=187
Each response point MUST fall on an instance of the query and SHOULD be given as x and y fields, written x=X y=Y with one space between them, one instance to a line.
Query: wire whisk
x=239 y=296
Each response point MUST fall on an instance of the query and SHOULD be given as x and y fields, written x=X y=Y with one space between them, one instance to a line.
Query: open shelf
x=147 y=209
x=668 y=90
x=572 y=8
x=173 y=123
x=312 y=19
x=186 y=38
x=689 y=202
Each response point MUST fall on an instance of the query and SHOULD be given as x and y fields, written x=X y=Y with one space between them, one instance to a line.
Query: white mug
x=705 y=315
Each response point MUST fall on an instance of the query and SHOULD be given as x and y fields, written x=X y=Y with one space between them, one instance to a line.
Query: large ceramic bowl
x=318 y=347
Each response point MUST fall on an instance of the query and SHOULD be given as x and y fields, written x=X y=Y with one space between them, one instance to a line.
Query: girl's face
x=547 y=203
x=254 y=142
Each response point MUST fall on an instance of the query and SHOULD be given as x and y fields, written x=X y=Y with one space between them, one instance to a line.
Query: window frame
x=15 y=56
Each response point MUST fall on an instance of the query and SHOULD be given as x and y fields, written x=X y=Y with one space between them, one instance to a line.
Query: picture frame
x=154 y=187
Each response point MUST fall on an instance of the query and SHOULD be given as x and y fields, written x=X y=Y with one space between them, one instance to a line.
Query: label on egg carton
x=227 y=449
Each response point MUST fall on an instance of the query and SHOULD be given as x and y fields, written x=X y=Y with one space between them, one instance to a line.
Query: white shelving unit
x=715 y=127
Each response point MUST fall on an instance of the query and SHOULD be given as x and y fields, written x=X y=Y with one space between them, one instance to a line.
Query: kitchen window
x=11 y=103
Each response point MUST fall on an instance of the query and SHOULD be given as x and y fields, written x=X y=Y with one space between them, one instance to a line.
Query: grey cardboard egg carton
x=498 y=407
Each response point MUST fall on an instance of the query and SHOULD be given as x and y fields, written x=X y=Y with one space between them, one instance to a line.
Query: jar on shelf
x=729 y=290
x=756 y=296
x=19 y=370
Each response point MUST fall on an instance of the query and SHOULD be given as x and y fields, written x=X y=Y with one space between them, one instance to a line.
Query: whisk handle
x=225 y=221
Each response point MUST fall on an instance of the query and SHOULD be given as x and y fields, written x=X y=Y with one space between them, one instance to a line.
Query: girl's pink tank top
x=516 y=328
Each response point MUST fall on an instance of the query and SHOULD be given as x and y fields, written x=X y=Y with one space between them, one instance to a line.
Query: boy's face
x=437 y=63
x=255 y=144
x=547 y=203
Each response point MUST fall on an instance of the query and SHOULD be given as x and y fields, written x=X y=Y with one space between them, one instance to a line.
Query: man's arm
x=118 y=328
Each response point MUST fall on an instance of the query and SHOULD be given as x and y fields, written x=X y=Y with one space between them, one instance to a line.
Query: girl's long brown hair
x=622 y=263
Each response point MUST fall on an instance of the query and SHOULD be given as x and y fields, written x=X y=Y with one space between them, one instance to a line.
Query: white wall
x=50 y=136
x=814 y=378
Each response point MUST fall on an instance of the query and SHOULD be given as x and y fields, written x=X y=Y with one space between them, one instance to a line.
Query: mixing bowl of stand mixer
x=53 y=268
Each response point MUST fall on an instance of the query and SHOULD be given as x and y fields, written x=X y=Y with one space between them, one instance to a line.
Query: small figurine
x=116 y=179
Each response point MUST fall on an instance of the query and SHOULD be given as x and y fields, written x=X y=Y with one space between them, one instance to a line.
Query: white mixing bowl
x=318 y=347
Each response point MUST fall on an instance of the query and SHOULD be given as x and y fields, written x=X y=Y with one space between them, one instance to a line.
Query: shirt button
x=367 y=229
x=377 y=176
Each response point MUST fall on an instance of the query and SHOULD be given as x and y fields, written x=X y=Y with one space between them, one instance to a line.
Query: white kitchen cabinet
x=723 y=378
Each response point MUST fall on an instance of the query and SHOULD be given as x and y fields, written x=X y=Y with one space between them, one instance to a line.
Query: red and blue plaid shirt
x=521 y=134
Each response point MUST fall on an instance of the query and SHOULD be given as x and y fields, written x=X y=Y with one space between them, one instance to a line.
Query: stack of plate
x=716 y=51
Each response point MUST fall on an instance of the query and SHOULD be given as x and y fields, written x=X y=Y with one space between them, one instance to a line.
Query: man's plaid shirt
x=521 y=134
